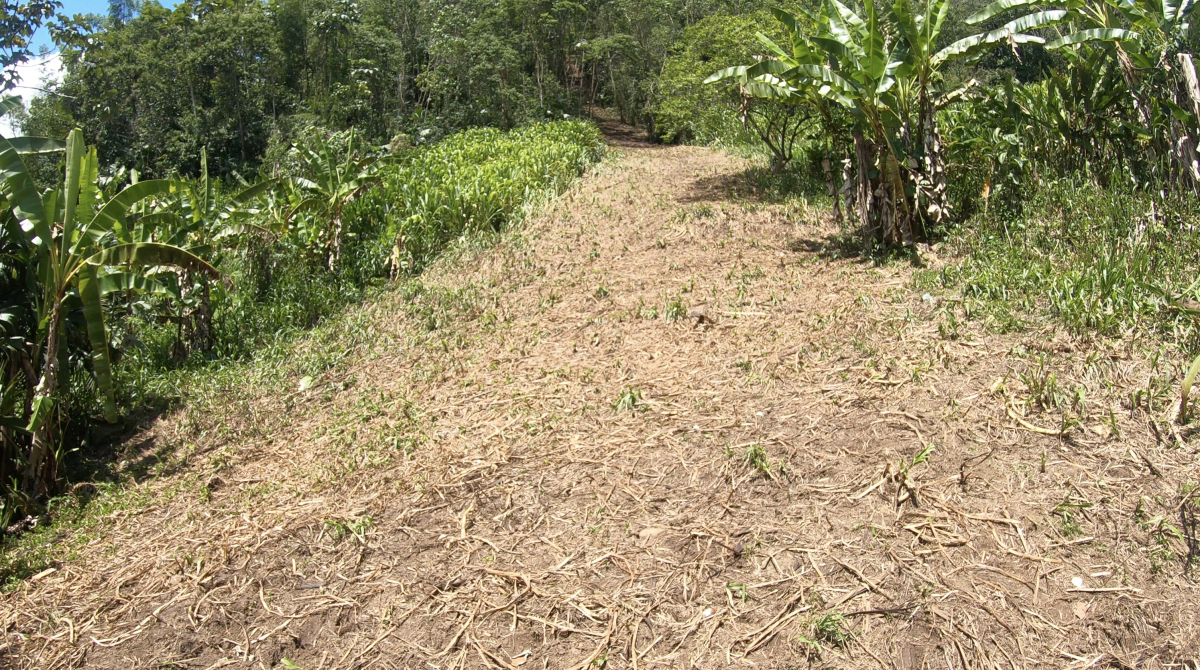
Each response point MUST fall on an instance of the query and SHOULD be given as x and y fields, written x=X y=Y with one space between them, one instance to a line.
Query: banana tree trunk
x=864 y=157
x=935 y=208
x=827 y=168
x=1133 y=83
x=41 y=470
x=1186 y=169
x=335 y=253
x=893 y=202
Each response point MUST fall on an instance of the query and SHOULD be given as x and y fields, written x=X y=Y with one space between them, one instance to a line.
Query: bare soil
x=547 y=459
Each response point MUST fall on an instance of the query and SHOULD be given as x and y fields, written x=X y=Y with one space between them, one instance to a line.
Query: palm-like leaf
x=1094 y=35
x=998 y=7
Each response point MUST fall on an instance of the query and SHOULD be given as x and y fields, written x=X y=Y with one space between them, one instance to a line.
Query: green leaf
x=119 y=282
x=969 y=46
x=89 y=192
x=43 y=406
x=36 y=146
x=1037 y=20
x=771 y=45
x=875 y=58
x=940 y=9
x=73 y=180
x=768 y=67
x=845 y=54
x=738 y=72
x=1094 y=35
x=769 y=91
x=251 y=194
x=998 y=7
x=10 y=104
x=112 y=215
x=22 y=194
x=152 y=253
x=823 y=76
x=850 y=18
x=93 y=312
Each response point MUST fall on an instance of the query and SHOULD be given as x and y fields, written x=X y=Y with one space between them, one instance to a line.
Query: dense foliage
x=110 y=281
x=153 y=86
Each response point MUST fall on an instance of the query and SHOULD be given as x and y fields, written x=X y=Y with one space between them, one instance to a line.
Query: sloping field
x=546 y=458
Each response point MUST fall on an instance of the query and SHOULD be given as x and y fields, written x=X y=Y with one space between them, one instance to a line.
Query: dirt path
x=544 y=462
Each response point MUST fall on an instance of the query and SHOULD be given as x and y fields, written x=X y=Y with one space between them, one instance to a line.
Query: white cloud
x=34 y=76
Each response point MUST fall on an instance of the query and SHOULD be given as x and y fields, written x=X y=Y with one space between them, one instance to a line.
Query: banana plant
x=334 y=183
x=196 y=221
x=1146 y=40
x=764 y=80
x=71 y=233
x=860 y=64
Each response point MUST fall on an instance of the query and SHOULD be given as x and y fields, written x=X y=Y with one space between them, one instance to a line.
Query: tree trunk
x=1183 y=142
x=202 y=319
x=827 y=168
x=335 y=253
x=935 y=208
x=40 y=472
x=864 y=163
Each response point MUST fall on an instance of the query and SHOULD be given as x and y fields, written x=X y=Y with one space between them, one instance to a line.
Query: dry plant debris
x=665 y=425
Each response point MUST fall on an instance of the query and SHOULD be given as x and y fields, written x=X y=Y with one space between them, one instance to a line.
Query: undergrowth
x=1112 y=261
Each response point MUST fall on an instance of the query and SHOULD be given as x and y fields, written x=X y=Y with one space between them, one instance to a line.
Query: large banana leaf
x=852 y=20
x=249 y=195
x=774 y=67
x=35 y=146
x=22 y=194
x=10 y=103
x=800 y=50
x=74 y=178
x=848 y=55
x=998 y=7
x=112 y=216
x=824 y=75
x=1037 y=20
x=738 y=72
x=1094 y=35
x=969 y=46
x=119 y=282
x=769 y=90
x=903 y=16
x=93 y=312
x=149 y=254
x=875 y=59
x=835 y=26
x=771 y=45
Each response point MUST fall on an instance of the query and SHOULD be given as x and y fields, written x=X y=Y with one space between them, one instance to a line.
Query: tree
x=20 y=20
x=329 y=185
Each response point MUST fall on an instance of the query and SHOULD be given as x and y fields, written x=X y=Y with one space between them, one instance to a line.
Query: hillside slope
x=544 y=458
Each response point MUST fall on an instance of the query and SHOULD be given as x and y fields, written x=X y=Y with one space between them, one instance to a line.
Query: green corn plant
x=1185 y=389
x=71 y=232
